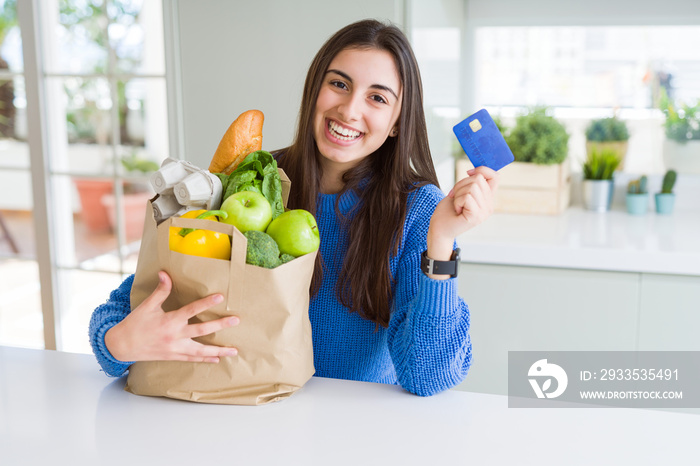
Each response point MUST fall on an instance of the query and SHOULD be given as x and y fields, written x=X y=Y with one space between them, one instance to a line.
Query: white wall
x=239 y=55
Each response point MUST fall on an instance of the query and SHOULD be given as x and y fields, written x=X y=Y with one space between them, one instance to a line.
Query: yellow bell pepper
x=203 y=243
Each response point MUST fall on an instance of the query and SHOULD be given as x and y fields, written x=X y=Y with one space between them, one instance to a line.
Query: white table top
x=581 y=239
x=58 y=408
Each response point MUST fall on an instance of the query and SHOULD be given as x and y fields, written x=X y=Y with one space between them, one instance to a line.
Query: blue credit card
x=482 y=141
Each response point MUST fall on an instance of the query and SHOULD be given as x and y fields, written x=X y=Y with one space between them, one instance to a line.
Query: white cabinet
x=580 y=281
x=530 y=308
x=669 y=318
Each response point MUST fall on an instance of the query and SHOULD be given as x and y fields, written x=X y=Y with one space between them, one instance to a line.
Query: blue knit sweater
x=426 y=348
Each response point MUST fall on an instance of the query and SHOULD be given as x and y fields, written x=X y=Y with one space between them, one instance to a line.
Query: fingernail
x=471 y=172
x=218 y=298
x=211 y=359
x=161 y=277
x=232 y=352
x=233 y=321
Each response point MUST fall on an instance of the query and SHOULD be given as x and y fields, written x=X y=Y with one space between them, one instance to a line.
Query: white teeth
x=344 y=134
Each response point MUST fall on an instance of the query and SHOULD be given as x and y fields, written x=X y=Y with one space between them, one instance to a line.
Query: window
x=586 y=72
x=99 y=76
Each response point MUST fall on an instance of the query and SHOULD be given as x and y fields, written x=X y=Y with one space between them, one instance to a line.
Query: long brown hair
x=399 y=166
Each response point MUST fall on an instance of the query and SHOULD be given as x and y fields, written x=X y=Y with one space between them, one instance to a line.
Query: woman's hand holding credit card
x=471 y=200
x=483 y=142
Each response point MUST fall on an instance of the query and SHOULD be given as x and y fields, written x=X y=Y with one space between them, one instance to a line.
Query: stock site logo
x=544 y=371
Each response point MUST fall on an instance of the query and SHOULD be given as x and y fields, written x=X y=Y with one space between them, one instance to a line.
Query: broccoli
x=262 y=250
x=284 y=258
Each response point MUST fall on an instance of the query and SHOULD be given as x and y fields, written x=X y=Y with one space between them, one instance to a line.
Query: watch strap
x=433 y=267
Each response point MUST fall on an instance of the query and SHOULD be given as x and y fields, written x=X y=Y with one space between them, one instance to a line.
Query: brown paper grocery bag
x=275 y=352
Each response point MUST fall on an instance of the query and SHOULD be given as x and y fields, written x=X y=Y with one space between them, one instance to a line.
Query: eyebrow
x=373 y=86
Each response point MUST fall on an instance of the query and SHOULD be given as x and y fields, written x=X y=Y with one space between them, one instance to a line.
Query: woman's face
x=357 y=107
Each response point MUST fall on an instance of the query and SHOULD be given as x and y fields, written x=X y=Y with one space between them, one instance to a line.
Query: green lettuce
x=257 y=172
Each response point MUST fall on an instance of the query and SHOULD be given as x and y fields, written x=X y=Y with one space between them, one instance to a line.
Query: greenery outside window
x=97 y=96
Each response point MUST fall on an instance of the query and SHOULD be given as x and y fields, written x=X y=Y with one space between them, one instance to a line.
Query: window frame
x=32 y=19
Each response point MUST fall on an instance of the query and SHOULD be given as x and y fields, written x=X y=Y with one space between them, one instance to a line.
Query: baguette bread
x=241 y=138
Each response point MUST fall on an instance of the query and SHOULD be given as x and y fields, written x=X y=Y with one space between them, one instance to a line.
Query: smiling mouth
x=341 y=133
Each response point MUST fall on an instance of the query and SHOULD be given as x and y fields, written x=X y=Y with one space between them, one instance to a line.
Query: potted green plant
x=137 y=170
x=538 y=138
x=136 y=195
x=681 y=149
x=598 y=185
x=608 y=133
x=637 y=196
x=98 y=202
x=538 y=182
x=666 y=199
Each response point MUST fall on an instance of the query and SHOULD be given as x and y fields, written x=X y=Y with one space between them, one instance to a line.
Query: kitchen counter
x=58 y=408
x=581 y=239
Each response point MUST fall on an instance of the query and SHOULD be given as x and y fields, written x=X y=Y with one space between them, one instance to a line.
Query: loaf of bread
x=241 y=138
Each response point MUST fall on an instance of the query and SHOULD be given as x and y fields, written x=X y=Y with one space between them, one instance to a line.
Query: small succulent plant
x=638 y=186
x=668 y=182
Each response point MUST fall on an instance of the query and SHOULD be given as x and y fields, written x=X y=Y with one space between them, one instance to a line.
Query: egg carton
x=182 y=186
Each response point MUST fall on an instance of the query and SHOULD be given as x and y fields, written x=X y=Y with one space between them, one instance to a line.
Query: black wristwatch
x=433 y=267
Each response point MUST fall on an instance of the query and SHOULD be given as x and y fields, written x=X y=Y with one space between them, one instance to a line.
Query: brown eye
x=339 y=84
x=378 y=98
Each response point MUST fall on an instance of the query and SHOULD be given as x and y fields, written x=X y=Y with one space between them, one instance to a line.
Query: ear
x=394 y=132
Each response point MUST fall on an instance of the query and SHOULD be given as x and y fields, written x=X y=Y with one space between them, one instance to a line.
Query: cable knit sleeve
x=428 y=334
x=105 y=317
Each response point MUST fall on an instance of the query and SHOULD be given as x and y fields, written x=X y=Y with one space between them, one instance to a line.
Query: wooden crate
x=528 y=188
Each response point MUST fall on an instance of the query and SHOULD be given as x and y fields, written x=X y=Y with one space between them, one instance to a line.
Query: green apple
x=295 y=232
x=247 y=210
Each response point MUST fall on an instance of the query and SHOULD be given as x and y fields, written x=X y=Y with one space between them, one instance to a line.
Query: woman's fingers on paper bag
x=197 y=352
x=205 y=328
x=149 y=333
x=161 y=293
x=197 y=307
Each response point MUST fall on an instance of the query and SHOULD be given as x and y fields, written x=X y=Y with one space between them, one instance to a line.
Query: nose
x=350 y=108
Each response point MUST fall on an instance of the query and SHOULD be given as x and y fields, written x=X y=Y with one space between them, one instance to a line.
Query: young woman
x=360 y=162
